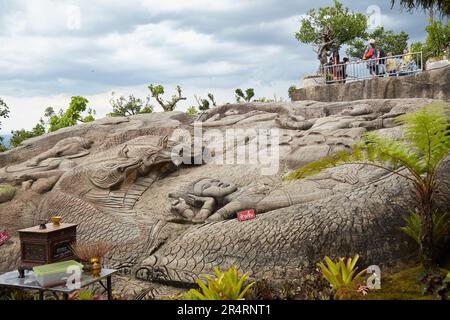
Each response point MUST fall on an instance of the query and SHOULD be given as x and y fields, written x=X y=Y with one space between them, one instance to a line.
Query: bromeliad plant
x=416 y=157
x=340 y=273
x=226 y=286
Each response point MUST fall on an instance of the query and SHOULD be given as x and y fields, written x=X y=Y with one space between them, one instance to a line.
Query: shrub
x=341 y=273
x=441 y=226
x=7 y=192
x=226 y=286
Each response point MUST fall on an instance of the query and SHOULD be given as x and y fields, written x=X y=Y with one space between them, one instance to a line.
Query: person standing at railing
x=336 y=58
x=381 y=63
x=370 y=56
x=406 y=59
x=391 y=65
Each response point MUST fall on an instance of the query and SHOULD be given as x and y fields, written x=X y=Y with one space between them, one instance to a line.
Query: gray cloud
x=127 y=44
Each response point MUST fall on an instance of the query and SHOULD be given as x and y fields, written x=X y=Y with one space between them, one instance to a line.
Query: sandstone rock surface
x=169 y=222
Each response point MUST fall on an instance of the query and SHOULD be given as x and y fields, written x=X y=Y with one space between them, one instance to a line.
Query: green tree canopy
x=438 y=39
x=71 y=116
x=4 y=113
x=247 y=97
x=442 y=5
x=386 y=40
x=127 y=107
x=204 y=104
x=20 y=135
x=328 y=28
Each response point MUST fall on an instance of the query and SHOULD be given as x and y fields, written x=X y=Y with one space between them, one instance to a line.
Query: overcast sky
x=51 y=50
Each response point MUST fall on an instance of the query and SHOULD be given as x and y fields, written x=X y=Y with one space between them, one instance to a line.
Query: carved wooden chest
x=42 y=246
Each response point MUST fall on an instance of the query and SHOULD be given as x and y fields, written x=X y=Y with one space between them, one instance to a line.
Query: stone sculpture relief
x=173 y=222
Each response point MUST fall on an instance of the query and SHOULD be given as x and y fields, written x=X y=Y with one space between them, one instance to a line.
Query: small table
x=11 y=279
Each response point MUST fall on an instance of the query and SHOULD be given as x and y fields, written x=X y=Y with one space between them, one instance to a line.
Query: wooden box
x=42 y=246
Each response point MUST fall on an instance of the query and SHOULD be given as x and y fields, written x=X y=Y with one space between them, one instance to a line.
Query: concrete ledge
x=434 y=84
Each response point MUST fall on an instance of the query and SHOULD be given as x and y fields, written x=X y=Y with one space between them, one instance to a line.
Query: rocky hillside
x=170 y=222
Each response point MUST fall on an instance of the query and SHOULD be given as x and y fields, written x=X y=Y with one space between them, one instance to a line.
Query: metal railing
x=391 y=66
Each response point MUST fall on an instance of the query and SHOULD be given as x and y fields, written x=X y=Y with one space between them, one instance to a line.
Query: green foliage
x=442 y=5
x=4 y=113
x=7 y=192
x=328 y=28
x=158 y=90
x=204 y=104
x=441 y=226
x=20 y=135
x=191 y=111
x=71 y=116
x=340 y=273
x=438 y=37
x=267 y=100
x=291 y=91
x=435 y=282
x=226 y=286
x=386 y=40
x=4 y=110
x=123 y=107
x=247 y=97
x=85 y=295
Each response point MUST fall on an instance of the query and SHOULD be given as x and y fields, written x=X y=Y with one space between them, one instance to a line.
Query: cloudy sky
x=51 y=50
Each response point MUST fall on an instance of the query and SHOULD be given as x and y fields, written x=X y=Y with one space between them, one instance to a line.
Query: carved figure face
x=213 y=188
x=142 y=158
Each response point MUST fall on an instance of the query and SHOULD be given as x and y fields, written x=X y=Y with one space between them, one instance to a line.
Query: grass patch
x=402 y=285
x=7 y=192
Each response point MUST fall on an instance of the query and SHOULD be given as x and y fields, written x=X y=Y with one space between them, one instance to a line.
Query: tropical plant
x=386 y=40
x=438 y=37
x=71 y=116
x=247 y=97
x=226 y=286
x=328 y=28
x=340 y=273
x=124 y=107
x=441 y=226
x=420 y=152
x=191 y=111
x=158 y=90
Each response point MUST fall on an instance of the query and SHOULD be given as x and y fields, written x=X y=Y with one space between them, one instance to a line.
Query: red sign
x=3 y=237
x=246 y=215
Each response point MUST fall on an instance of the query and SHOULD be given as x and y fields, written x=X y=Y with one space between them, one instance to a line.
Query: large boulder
x=171 y=222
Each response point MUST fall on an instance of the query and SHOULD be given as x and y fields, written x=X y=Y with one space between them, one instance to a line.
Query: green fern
x=441 y=226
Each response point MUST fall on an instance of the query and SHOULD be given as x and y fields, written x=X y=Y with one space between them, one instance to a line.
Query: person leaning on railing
x=391 y=65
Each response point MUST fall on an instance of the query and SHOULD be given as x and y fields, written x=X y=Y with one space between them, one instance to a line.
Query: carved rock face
x=214 y=188
x=119 y=191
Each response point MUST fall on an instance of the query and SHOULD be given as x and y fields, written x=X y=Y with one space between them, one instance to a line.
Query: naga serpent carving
x=172 y=223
